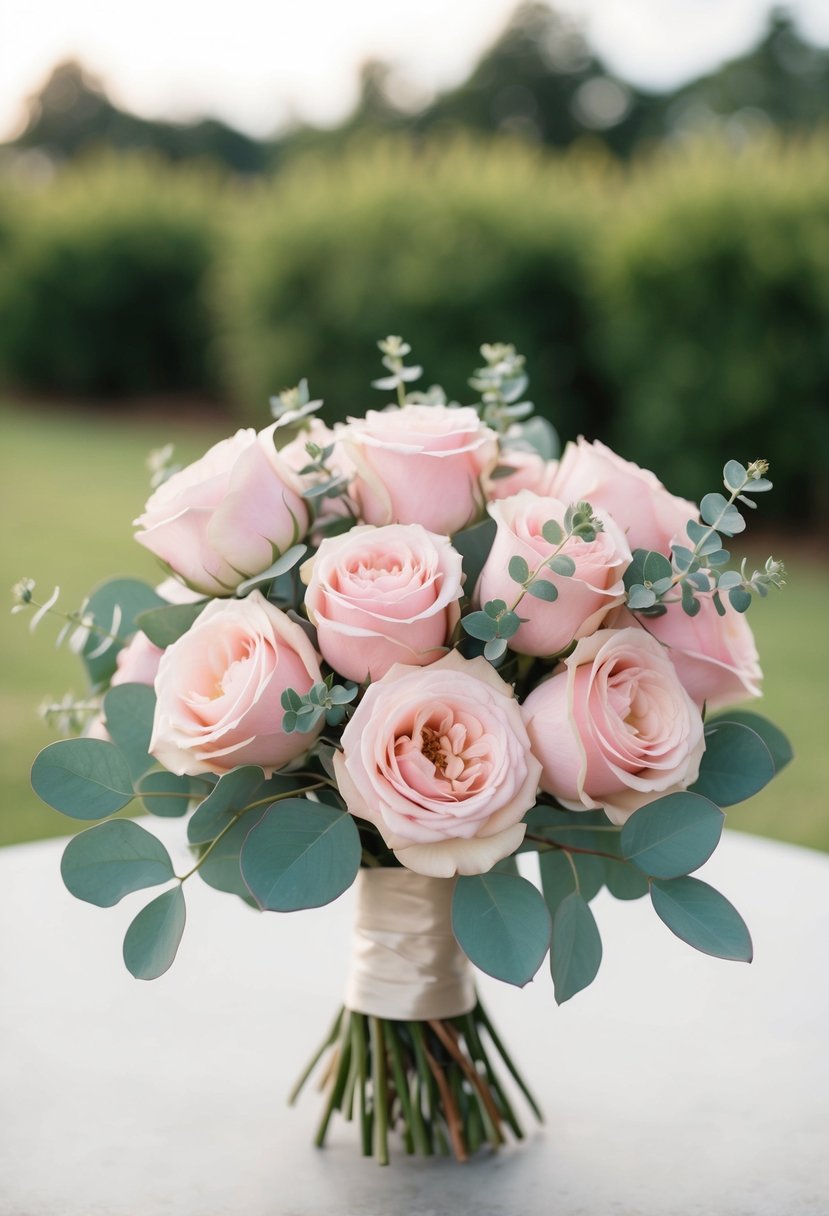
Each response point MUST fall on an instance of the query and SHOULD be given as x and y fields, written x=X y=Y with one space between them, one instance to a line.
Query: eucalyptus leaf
x=166 y=624
x=518 y=570
x=576 y=950
x=502 y=925
x=735 y=765
x=221 y=868
x=288 y=559
x=153 y=938
x=168 y=796
x=734 y=475
x=128 y=712
x=230 y=795
x=672 y=836
x=474 y=545
x=559 y=873
x=656 y=566
x=540 y=435
x=779 y=746
x=543 y=589
x=124 y=597
x=702 y=917
x=624 y=880
x=301 y=854
x=107 y=862
x=84 y=778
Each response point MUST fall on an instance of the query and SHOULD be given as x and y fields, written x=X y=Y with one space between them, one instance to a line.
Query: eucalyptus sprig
x=651 y=579
x=303 y=711
x=294 y=405
x=77 y=627
x=394 y=352
x=498 y=622
x=501 y=383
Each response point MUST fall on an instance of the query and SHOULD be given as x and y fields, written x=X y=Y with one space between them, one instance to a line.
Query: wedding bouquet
x=405 y=650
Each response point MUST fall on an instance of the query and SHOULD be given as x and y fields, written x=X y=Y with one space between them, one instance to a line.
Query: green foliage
x=450 y=243
x=103 y=289
x=166 y=623
x=576 y=950
x=109 y=861
x=300 y=855
x=118 y=601
x=702 y=917
x=672 y=836
x=713 y=287
x=128 y=712
x=502 y=925
x=152 y=940
x=83 y=778
x=735 y=765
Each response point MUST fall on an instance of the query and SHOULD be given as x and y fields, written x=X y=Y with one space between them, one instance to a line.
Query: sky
x=259 y=64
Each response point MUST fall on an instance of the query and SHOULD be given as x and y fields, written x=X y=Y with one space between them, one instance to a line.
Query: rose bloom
x=380 y=596
x=219 y=689
x=439 y=760
x=649 y=515
x=530 y=471
x=420 y=464
x=715 y=656
x=228 y=515
x=614 y=728
x=584 y=598
x=328 y=508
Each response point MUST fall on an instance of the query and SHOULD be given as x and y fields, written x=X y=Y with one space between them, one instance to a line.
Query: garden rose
x=584 y=598
x=439 y=760
x=420 y=464
x=715 y=656
x=649 y=515
x=228 y=515
x=137 y=662
x=219 y=689
x=613 y=727
x=530 y=471
x=380 y=596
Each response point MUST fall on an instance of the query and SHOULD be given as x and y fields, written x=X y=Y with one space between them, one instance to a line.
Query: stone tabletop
x=676 y=1085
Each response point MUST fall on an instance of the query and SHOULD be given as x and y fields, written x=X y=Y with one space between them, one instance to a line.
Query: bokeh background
x=197 y=210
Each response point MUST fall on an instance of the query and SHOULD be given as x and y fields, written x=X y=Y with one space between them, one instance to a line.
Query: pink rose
x=137 y=662
x=613 y=727
x=228 y=515
x=380 y=596
x=642 y=507
x=420 y=464
x=219 y=689
x=439 y=760
x=584 y=598
x=530 y=471
x=339 y=506
x=714 y=656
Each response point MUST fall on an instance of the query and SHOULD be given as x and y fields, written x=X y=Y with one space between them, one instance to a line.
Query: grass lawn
x=71 y=484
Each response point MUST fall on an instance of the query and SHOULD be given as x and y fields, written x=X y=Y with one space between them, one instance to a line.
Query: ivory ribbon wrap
x=405 y=962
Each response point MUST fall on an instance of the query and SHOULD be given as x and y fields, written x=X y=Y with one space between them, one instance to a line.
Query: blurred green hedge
x=102 y=289
x=712 y=291
x=678 y=309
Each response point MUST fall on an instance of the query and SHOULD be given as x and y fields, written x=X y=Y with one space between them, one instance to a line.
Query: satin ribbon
x=405 y=962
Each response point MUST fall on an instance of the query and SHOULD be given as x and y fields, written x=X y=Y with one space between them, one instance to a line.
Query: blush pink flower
x=380 y=596
x=420 y=464
x=715 y=656
x=529 y=471
x=647 y=513
x=227 y=516
x=613 y=727
x=439 y=760
x=219 y=689
x=584 y=598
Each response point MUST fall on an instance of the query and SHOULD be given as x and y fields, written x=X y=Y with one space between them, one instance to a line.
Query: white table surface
x=676 y=1085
